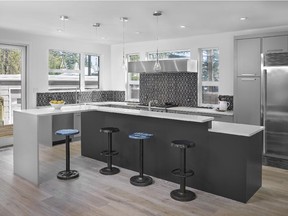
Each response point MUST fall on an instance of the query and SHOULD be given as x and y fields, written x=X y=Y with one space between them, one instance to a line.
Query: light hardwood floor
x=6 y=130
x=96 y=195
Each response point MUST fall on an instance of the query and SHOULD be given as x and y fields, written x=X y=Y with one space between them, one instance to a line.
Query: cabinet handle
x=248 y=79
x=248 y=74
x=275 y=50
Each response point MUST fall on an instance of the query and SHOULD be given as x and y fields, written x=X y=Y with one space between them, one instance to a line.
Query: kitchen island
x=226 y=164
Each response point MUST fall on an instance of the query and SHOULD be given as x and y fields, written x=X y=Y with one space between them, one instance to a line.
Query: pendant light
x=63 y=19
x=96 y=26
x=157 y=66
x=124 y=65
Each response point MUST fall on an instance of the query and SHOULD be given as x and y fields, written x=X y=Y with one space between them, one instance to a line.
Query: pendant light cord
x=157 y=40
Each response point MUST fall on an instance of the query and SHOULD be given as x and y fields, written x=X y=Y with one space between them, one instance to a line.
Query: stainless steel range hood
x=179 y=65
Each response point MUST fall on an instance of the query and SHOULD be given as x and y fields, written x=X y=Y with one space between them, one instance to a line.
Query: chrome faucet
x=150 y=102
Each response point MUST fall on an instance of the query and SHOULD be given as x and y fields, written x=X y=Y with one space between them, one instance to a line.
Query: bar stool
x=67 y=174
x=141 y=180
x=109 y=170
x=182 y=194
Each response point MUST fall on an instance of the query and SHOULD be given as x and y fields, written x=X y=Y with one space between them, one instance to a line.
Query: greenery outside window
x=92 y=69
x=182 y=54
x=67 y=68
x=209 y=76
x=133 y=86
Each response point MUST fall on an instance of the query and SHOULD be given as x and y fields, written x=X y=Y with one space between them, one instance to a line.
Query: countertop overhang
x=97 y=107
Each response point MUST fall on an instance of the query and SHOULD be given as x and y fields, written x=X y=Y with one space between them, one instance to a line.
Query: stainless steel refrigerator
x=275 y=104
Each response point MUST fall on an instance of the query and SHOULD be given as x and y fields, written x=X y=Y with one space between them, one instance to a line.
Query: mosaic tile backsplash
x=43 y=99
x=179 y=88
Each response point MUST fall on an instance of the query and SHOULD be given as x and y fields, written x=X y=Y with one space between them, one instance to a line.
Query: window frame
x=129 y=81
x=206 y=83
x=80 y=77
x=167 y=51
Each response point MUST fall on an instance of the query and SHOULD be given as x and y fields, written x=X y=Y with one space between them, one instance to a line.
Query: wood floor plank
x=93 y=194
x=6 y=130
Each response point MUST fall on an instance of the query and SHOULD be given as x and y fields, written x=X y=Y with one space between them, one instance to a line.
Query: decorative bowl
x=57 y=106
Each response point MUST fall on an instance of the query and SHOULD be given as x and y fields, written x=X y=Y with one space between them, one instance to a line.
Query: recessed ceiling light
x=103 y=38
x=138 y=32
x=243 y=18
x=59 y=30
x=182 y=26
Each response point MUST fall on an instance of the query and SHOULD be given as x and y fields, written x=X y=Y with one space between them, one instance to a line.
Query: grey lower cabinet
x=247 y=103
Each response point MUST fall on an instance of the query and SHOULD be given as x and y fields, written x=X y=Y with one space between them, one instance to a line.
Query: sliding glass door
x=12 y=85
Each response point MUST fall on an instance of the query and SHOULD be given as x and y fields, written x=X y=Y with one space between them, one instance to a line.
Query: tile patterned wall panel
x=98 y=96
x=43 y=99
x=179 y=88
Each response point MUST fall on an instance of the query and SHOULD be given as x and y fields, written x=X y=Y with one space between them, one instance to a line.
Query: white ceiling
x=201 y=17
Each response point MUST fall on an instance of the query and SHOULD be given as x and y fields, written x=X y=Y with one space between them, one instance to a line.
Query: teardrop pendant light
x=157 y=66
x=124 y=65
x=96 y=26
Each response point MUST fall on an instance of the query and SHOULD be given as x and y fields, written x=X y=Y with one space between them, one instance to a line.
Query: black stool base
x=186 y=196
x=109 y=171
x=66 y=175
x=141 y=181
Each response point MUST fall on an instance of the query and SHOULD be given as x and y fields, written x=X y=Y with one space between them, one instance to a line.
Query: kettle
x=223 y=105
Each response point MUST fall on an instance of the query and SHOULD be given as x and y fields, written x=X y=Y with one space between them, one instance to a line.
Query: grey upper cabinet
x=248 y=101
x=248 y=57
x=275 y=44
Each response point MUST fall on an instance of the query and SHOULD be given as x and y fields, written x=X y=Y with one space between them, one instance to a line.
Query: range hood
x=178 y=65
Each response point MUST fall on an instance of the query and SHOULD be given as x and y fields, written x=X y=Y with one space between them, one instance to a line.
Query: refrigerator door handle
x=264 y=106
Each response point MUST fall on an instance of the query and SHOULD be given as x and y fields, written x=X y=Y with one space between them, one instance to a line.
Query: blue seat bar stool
x=141 y=180
x=109 y=170
x=67 y=174
x=182 y=194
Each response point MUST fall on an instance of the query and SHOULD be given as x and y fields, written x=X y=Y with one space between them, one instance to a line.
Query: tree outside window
x=209 y=76
x=185 y=54
x=133 y=79
x=65 y=70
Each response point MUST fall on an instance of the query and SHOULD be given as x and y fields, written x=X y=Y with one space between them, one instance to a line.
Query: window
x=133 y=80
x=169 y=55
x=66 y=70
x=12 y=81
x=209 y=76
x=92 y=67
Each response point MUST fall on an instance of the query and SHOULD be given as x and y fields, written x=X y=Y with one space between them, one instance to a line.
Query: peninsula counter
x=226 y=164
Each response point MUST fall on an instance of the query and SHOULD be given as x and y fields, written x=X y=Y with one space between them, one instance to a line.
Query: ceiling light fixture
x=243 y=18
x=182 y=26
x=157 y=66
x=96 y=26
x=124 y=65
x=63 y=23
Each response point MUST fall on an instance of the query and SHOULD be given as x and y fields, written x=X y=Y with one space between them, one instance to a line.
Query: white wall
x=38 y=47
x=223 y=41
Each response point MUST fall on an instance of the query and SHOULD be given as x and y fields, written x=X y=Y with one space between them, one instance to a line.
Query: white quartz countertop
x=201 y=110
x=95 y=107
x=235 y=129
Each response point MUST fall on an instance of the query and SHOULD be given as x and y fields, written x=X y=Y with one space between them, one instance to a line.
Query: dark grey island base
x=225 y=165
